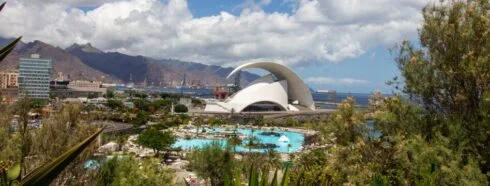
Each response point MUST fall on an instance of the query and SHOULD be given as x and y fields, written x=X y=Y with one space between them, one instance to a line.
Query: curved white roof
x=276 y=93
x=297 y=90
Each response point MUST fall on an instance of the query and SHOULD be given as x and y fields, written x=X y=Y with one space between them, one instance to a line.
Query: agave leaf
x=7 y=49
x=274 y=179
x=14 y=172
x=2 y=5
x=298 y=181
x=285 y=177
x=238 y=180
x=227 y=179
x=264 y=181
x=253 y=179
x=46 y=173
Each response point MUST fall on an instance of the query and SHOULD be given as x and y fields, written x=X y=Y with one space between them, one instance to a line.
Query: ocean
x=360 y=98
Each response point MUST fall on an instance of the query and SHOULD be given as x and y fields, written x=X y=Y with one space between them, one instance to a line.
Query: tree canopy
x=449 y=74
x=156 y=140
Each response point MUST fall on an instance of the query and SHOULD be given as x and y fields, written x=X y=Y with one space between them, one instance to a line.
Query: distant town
x=33 y=77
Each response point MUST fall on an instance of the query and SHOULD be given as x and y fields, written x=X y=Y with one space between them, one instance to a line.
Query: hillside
x=62 y=62
x=156 y=72
x=86 y=62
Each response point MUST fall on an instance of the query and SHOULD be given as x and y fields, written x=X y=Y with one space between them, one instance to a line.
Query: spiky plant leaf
x=7 y=49
x=2 y=5
x=45 y=174
x=274 y=179
x=285 y=177
x=264 y=180
x=253 y=179
x=14 y=172
x=227 y=179
x=378 y=180
x=238 y=180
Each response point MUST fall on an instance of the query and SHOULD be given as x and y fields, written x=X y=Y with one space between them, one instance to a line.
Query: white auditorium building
x=280 y=90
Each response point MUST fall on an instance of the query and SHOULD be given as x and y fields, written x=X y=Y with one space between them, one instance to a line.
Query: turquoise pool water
x=295 y=139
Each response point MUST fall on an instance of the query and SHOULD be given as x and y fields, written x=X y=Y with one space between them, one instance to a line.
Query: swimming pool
x=295 y=139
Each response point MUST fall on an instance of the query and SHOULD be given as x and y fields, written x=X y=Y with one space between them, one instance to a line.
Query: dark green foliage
x=397 y=116
x=107 y=172
x=169 y=96
x=163 y=104
x=140 y=95
x=212 y=162
x=197 y=102
x=142 y=104
x=156 y=140
x=449 y=76
x=131 y=171
x=142 y=118
x=38 y=103
x=180 y=108
x=216 y=121
x=110 y=94
x=115 y=104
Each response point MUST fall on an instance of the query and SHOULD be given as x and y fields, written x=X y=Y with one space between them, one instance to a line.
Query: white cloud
x=316 y=31
x=335 y=81
x=253 y=4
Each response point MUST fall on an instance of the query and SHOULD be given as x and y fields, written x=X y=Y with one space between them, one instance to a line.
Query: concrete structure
x=281 y=90
x=87 y=86
x=9 y=86
x=9 y=79
x=75 y=89
x=34 y=76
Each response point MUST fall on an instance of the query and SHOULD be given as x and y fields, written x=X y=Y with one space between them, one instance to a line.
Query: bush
x=180 y=108
x=141 y=118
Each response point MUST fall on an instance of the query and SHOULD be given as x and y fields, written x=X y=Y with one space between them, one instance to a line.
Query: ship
x=325 y=91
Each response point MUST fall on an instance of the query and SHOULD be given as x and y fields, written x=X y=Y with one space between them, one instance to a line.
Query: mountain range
x=86 y=62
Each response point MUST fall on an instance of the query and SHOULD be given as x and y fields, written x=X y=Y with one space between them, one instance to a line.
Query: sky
x=338 y=45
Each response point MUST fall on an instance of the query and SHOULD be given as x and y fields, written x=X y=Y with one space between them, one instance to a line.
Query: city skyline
x=331 y=45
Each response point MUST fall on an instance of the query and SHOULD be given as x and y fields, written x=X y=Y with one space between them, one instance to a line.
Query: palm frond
x=7 y=49
x=2 y=5
x=45 y=174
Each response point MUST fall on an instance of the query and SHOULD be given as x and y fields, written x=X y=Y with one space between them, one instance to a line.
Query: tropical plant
x=448 y=75
x=257 y=178
x=142 y=118
x=46 y=173
x=198 y=122
x=213 y=162
x=9 y=47
x=156 y=140
x=181 y=108
x=127 y=170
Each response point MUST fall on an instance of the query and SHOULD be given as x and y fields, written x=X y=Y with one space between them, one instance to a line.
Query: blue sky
x=375 y=66
x=331 y=44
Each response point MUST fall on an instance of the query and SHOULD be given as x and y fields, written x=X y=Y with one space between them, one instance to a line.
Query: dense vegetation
x=434 y=131
x=156 y=140
x=440 y=135
x=129 y=171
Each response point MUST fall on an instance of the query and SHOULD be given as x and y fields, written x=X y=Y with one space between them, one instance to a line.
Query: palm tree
x=273 y=158
x=198 y=123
